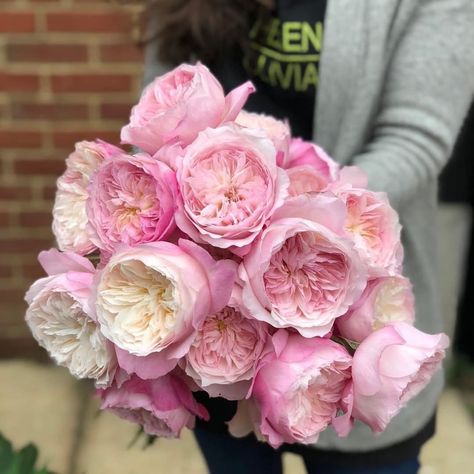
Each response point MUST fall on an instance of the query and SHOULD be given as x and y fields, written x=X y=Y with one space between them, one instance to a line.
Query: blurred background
x=70 y=70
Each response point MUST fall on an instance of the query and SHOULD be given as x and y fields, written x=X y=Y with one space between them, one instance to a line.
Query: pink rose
x=163 y=407
x=302 y=272
x=309 y=168
x=132 y=200
x=61 y=320
x=153 y=298
x=70 y=222
x=170 y=154
x=385 y=300
x=178 y=105
x=278 y=131
x=225 y=353
x=375 y=229
x=299 y=391
x=390 y=367
x=230 y=186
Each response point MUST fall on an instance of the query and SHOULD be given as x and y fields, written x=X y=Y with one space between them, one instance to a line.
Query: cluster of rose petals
x=132 y=200
x=375 y=229
x=70 y=222
x=299 y=389
x=223 y=357
x=163 y=407
x=278 y=131
x=302 y=272
x=309 y=168
x=152 y=299
x=60 y=318
x=230 y=185
x=234 y=259
x=386 y=300
x=390 y=367
x=178 y=105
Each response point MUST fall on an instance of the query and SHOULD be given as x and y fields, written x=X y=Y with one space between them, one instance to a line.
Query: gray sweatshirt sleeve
x=428 y=89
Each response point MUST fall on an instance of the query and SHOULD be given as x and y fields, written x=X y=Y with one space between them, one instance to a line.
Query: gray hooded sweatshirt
x=396 y=80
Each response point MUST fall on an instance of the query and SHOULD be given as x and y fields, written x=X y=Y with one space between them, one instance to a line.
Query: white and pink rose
x=61 y=320
x=152 y=299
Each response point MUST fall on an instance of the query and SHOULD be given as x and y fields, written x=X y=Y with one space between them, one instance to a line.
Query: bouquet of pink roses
x=228 y=257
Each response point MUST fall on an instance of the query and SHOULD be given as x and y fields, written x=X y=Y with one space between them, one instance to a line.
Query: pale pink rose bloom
x=230 y=185
x=385 y=300
x=163 y=407
x=277 y=130
x=390 y=367
x=375 y=229
x=309 y=168
x=302 y=272
x=132 y=200
x=153 y=298
x=223 y=357
x=171 y=154
x=60 y=318
x=299 y=391
x=178 y=105
x=70 y=222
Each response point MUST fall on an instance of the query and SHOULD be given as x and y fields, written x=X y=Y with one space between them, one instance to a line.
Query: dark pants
x=227 y=455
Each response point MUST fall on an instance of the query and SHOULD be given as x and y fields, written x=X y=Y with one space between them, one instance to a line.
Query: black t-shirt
x=281 y=57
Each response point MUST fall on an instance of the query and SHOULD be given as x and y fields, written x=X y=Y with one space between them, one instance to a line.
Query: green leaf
x=351 y=346
x=26 y=459
x=6 y=454
x=21 y=462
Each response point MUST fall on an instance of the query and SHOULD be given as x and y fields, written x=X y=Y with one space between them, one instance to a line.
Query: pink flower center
x=228 y=344
x=365 y=222
x=226 y=187
x=314 y=402
x=305 y=276
x=130 y=198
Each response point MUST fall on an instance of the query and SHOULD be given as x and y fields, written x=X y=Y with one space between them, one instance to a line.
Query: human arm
x=429 y=86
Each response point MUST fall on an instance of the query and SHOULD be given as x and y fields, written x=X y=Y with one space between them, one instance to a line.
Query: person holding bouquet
x=383 y=85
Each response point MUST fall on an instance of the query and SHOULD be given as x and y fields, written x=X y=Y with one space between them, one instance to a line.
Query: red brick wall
x=69 y=70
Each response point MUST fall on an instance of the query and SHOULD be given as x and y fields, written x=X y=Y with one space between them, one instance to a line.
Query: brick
x=115 y=111
x=53 y=167
x=18 y=82
x=43 y=53
x=125 y=52
x=12 y=295
x=6 y=270
x=35 y=219
x=48 y=193
x=20 y=139
x=17 y=22
x=75 y=22
x=4 y=219
x=15 y=193
x=91 y=83
x=32 y=271
x=68 y=139
x=49 y=111
x=31 y=245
